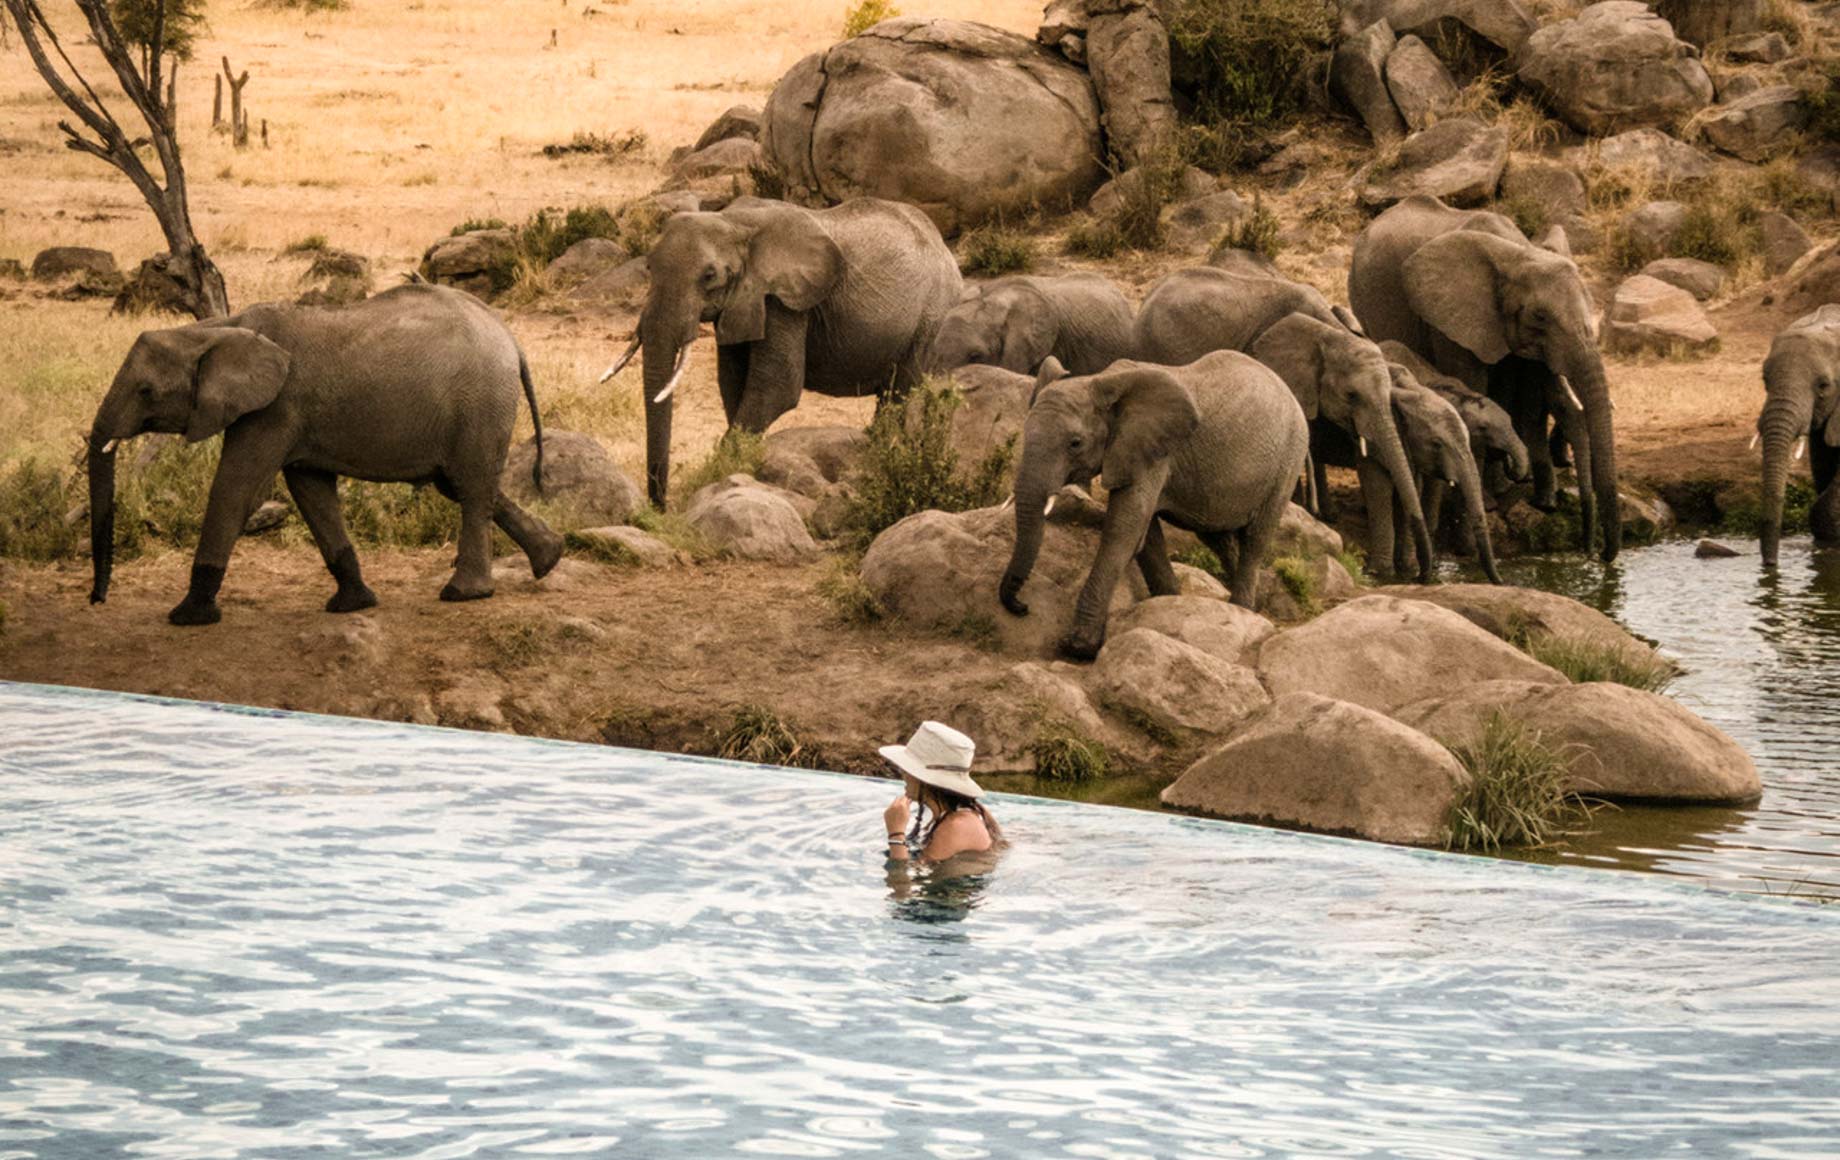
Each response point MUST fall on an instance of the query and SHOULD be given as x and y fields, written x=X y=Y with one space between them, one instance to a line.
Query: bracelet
x=897 y=837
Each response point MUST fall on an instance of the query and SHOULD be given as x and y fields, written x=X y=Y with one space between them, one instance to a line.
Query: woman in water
x=936 y=765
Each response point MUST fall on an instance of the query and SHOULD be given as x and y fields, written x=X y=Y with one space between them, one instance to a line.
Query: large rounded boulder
x=1615 y=66
x=1520 y=615
x=1174 y=686
x=962 y=120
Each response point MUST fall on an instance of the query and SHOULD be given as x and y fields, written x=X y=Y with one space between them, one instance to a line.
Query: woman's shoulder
x=958 y=831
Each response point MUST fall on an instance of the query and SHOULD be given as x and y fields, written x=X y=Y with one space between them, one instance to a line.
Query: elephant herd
x=1469 y=360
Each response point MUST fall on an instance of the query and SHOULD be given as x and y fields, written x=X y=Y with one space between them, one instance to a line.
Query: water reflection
x=932 y=893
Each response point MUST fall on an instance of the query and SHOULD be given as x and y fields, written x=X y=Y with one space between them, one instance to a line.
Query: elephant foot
x=1545 y=503
x=352 y=600
x=455 y=592
x=1075 y=646
x=544 y=556
x=187 y=615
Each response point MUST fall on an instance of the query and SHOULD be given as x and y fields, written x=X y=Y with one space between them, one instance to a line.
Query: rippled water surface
x=236 y=933
x=1762 y=660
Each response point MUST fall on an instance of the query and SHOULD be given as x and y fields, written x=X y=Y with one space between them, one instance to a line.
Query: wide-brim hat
x=937 y=755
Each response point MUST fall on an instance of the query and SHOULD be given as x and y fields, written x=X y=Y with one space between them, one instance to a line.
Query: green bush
x=910 y=465
x=34 y=501
x=1257 y=233
x=550 y=232
x=738 y=452
x=757 y=734
x=1063 y=753
x=1294 y=574
x=1246 y=65
x=867 y=15
x=991 y=249
x=1516 y=795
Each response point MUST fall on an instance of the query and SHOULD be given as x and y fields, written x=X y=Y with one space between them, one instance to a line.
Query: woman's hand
x=895 y=816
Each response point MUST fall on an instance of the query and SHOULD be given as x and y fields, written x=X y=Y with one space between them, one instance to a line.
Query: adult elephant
x=1492 y=438
x=1469 y=292
x=1801 y=381
x=419 y=384
x=842 y=301
x=1016 y=323
x=1438 y=445
x=1339 y=377
x=1214 y=447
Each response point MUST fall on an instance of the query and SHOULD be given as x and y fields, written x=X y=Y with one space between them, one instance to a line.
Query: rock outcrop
x=1224 y=631
x=580 y=480
x=1174 y=686
x=1615 y=66
x=745 y=519
x=1459 y=160
x=1517 y=615
x=1757 y=126
x=1649 y=315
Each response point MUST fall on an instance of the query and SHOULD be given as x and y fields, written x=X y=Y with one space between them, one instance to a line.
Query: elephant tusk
x=683 y=364
x=109 y=447
x=619 y=364
x=1048 y=510
x=1570 y=394
x=1755 y=436
x=1801 y=446
x=1008 y=502
x=1362 y=440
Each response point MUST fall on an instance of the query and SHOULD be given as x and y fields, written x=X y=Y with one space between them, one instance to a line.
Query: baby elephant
x=419 y=384
x=1016 y=323
x=1214 y=447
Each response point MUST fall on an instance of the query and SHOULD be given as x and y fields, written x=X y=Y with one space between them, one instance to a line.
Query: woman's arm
x=894 y=819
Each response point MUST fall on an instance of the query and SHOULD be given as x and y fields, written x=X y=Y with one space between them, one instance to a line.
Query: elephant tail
x=536 y=420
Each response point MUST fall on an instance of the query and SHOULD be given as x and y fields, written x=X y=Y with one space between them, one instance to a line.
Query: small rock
x=1703 y=280
x=1328 y=765
x=1758 y=48
x=1554 y=186
x=1358 y=76
x=475 y=261
x=739 y=121
x=1174 y=685
x=352 y=639
x=1458 y=160
x=1784 y=242
x=1201 y=220
x=585 y=259
x=1582 y=235
x=993 y=403
x=1649 y=315
x=64 y=261
x=1128 y=57
x=12 y=268
x=272 y=514
x=1419 y=83
x=812 y=461
x=472 y=704
x=731 y=157
x=1758 y=126
x=741 y=517
x=1652 y=227
x=1713 y=550
x=618 y=541
x=1655 y=153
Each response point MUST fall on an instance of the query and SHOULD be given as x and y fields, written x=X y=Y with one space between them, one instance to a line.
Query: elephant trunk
x=1469 y=481
x=101 y=516
x=1585 y=371
x=1390 y=452
x=664 y=350
x=1785 y=419
x=1033 y=489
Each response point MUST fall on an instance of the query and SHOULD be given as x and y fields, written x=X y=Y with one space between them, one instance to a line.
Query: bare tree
x=102 y=135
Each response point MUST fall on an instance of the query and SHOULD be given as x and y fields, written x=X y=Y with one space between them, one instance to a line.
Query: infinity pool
x=242 y=933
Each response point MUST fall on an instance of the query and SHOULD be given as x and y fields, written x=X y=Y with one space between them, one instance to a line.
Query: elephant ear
x=1149 y=414
x=237 y=371
x=1349 y=322
x=790 y=257
x=1453 y=282
x=1293 y=348
x=1028 y=331
x=1050 y=372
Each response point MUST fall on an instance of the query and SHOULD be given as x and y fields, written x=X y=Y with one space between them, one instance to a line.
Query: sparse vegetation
x=1354 y=561
x=1821 y=97
x=1094 y=238
x=850 y=599
x=1742 y=515
x=757 y=734
x=1258 y=232
x=1294 y=573
x=1248 y=66
x=993 y=249
x=307 y=5
x=738 y=452
x=674 y=530
x=1062 y=753
x=472 y=224
x=910 y=465
x=398 y=515
x=979 y=630
x=1584 y=661
x=1516 y=795
x=550 y=232
x=34 y=503
x=630 y=143
x=1199 y=556
x=514 y=643
x=867 y=15
x=1143 y=193
x=311 y=244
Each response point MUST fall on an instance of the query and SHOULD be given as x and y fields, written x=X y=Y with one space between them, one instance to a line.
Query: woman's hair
x=943 y=802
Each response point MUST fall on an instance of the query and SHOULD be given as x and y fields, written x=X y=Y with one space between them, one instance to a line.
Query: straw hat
x=938 y=755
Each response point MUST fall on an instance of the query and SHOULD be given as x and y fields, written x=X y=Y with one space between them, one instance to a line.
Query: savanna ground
x=386 y=125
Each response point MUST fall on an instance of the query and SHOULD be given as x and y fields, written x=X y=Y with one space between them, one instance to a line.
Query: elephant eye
x=1076 y=443
x=975 y=356
x=145 y=390
x=711 y=276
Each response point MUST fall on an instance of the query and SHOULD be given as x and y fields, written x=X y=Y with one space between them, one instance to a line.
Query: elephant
x=1492 y=438
x=1438 y=445
x=1016 y=322
x=1339 y=376
x=1469 y=292
x=419 y=384
x=842 y=301
x=1801 y=380
x=1214 y=447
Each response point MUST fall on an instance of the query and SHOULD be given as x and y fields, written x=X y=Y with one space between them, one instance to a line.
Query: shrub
x=180 y=25
x=1094 y=238
x=991 y=249
x=1143 y=193
x=1821 y=97
x=1294 y=574
x=550 y=232
x=398 y=515
x=738 y=452
x=910 y=465
x=674 y=529
x=850 y=599
x=1584 y=661
x=1516 y=795
x=1251 y=62
x=757 y=734
x=601 y=144
x=1354 y=560
x=867 y=15
x=640 y=224
x=311 y=244
x=34 y=501
x=471 y=224
x=1202 y=557
x=1062 y=753
x=1256 y=233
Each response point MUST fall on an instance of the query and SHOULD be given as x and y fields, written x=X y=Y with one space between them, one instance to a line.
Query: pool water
x=244 y=933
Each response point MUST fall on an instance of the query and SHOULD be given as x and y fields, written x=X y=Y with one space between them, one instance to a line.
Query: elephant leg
x=1494 y=475
x=1255 y=541
x=245 y=471
x=1434 y=492
x=316 y=494
x=472 y=579
x=1128 y=513
x=1559 y=449
x=775 y=371
x=732 y=376
x=541 y=546
x=1377 y=494
x=1530 y=425
x=1578 y=434
x=1153 y=562
x=1824 y=517
x=1320 y=477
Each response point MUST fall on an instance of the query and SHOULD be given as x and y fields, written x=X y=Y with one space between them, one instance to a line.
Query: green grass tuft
x=867 y=15
x=1247 y=66
x=1584 y=661
x=1354 y=560
x=757 y=734
x=398 y=515
x=738 y=452
x=1294 y=574
x=1516 y=795
x=850 y=599
x=1257 y=233
x=311 y=244
x=994 y=250
x=910 y=466
x=1199 y=556
x=1062 y=753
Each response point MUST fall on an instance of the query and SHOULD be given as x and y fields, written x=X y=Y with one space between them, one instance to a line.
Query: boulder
x=1552 y=185
x=1357 y=75
x=581 y=482
x=1008 y=719
x=1703 y=280
x=733 y=156
x=1653 y=152
x=941 y=570
x=1618 y=742
x=1109 y=198
x=738 y=121
x=1758 y=48
x=1127 y=54
x=1504 y=23
x=962 y=120
x=1652 y=227
x=811 y=461
x=1758 y=126
x=1648 y=315
x=1517 y=615
x=335 y=278
x=1328 y=765
x=1703 y=21
x=1784 y=242
x=585 y=260
x=1322 y=580
x=625 y=283
x=1192 y=581
x=1582 y=234
x=1383 y=652
x=1419 y=83
x=478 y=261
x=619 y=543
x=1738 y=86
x=153 y=289
x=60 y=262
x=1819 y=282
x=1174 y=686
x=1615 y=66
x=1202 y=221
x=1303 y=535
x=992 y=405
x=742 y=518
x=1459 y=160
x=1223 y=631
